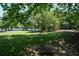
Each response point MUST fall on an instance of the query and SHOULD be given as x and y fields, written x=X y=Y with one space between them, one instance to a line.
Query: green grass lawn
x=13 y=43
x=17 y=33
x=21 y=33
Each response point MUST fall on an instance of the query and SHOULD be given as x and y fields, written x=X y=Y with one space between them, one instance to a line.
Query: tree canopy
x=43 y=16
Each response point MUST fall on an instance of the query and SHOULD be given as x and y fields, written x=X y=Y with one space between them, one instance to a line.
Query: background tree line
x=45 y=17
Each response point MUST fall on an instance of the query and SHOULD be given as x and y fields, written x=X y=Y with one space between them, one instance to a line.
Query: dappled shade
x=40 y=44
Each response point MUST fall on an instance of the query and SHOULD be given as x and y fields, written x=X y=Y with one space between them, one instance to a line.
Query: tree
x=12 y=15
x=45 y=21
x=69 y=18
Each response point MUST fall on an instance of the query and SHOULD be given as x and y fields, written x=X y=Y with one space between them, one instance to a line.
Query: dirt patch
x=56 y=48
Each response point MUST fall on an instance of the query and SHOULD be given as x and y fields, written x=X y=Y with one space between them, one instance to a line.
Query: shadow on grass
x=56 y=43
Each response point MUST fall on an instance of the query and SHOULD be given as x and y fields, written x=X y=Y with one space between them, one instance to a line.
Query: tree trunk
x=11 y=28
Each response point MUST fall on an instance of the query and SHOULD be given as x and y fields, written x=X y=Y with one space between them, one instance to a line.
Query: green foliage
x=46 y=21
x=69 y=18
x=63 y=16
x=1 y=23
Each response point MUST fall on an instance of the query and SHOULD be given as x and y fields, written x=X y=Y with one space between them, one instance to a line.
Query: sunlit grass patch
x=17 y=33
